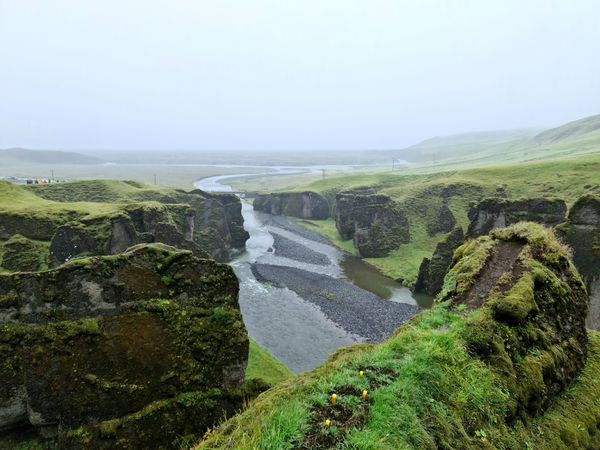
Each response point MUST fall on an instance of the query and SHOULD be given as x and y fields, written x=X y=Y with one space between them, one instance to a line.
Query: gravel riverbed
x=294 y=250
x=355 y=310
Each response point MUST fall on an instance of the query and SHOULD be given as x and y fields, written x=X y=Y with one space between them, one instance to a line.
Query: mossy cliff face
x=168 y=224
x=204 y=223
x=499 y=362
x=432 y=271
x=443 y=222
x=493 y=213
x=127 y=351
x=305 y=205
x=377 y=224
x=581 y=231
x=530 y=327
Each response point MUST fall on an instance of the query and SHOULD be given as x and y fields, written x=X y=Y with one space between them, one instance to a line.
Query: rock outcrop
x=128 y=351
x=432 y=271
x=203 y=223
x=581 y=231
x=305 y=205
x=493 y=213
x=114 y=234
x=376 y=223
x=533 y=305
x=443 y=222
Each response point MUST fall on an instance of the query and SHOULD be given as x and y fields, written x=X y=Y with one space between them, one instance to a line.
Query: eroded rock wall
x=210 y=225
x=432 y=271
x=376 y=223
x=127 y=351
x=304 y=205
x=581 y=231
x=493 y=213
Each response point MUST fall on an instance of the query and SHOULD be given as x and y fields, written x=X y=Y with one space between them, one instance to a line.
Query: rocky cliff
x=128 y=351
x=305 y=205
x=501 y=361
x=206 y=224
x=581 y=231
x=493 y=213
x=376 y=223
x=432 y=271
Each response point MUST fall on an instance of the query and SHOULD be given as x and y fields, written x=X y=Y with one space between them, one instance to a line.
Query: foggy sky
x=289 y=74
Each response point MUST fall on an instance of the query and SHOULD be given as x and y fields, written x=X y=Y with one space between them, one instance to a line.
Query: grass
x=420 y=195
x=264 y=366
x=327 y=228
x=435 y=382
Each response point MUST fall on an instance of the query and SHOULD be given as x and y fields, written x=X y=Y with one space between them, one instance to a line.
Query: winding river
x=292 y=329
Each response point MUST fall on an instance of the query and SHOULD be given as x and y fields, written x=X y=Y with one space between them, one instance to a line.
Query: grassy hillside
x=586 y=128
x=264 y=366
x=18 y=199
x=567 y=179
x=99 y=191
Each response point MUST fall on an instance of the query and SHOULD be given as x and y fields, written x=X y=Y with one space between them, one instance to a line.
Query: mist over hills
x=575 y=138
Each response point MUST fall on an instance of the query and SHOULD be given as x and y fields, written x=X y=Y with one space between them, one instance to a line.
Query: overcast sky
x=289 y=74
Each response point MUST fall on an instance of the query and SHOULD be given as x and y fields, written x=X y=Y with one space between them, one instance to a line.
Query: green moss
x=19 y=254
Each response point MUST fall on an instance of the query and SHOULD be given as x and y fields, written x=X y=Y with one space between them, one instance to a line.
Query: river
x=288 y=320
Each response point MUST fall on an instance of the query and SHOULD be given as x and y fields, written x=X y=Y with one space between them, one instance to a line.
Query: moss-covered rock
x=100 y=351
x=22 y=254
x=581 y=231
x=493 y=213
x=128 y=213
x=443 y=222
x=532 y=304
x=305 y=205
x=432 y=271
x=377 y=224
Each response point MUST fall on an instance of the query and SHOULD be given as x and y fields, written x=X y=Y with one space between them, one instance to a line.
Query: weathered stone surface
x=493 y=213
x=443 y=222
x=432 y=271
x=533 y=304
x=98 y=352
x=305 y=205
x=377 y=224
x=581 y=231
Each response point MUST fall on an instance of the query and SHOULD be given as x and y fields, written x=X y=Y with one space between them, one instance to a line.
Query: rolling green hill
x=419 y=194
x=577 y=138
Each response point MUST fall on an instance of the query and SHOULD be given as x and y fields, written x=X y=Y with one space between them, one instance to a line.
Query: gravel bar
x=289 y=249
x=355 y=310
